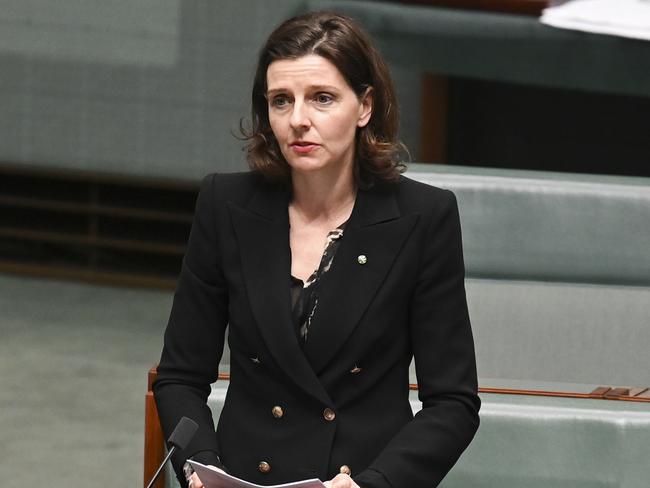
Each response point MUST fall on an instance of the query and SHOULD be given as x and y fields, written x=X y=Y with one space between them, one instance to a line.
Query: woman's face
x=314 y=113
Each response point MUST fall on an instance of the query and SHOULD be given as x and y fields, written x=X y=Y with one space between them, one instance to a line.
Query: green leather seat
x=558 y=269
x=546 y=442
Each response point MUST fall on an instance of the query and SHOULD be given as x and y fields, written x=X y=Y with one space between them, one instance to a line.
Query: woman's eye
x=324 y=98
x=279 y=101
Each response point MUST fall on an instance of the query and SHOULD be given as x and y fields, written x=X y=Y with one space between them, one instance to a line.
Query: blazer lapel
x=262 y=231
x=376 y=232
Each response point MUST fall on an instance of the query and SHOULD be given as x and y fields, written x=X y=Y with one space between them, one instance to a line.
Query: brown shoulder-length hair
x=341 y=41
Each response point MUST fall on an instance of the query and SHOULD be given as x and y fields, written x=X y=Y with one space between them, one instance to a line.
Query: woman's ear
x=365 y=109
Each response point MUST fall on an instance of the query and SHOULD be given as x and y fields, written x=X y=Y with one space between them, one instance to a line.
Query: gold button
x=329 y=414
x=264 y=467
x=277 y=412
x=362 y=259
x=345 y=469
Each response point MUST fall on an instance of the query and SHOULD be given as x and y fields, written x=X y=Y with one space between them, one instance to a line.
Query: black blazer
x=344 y=397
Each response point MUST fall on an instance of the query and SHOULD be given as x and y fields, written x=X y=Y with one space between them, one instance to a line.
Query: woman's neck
x=319 y=197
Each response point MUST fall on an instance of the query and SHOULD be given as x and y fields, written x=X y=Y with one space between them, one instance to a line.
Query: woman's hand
x=339 y=481
x=194 y=481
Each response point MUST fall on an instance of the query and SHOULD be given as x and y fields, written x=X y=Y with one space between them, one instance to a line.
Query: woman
x=331 y=271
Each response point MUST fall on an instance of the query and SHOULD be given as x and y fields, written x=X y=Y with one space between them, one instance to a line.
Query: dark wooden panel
x=434 y=116
x=515 y=126
x=93 y=209
x=87 y=240
x=90 y=227
x=154 y=442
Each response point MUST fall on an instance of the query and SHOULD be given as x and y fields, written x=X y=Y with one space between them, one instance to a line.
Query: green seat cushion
x=560 y=332
x=550 y=226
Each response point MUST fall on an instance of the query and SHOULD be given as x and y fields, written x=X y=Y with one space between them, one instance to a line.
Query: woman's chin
x=307 y=165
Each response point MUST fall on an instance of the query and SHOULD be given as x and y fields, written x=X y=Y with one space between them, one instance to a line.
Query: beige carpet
x=73 y=364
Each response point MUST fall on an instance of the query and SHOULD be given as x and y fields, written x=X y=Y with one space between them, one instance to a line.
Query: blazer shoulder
x=233 y=187
x=418 y=197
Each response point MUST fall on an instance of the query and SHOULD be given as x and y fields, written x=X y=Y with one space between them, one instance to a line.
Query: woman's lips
x=303 y=147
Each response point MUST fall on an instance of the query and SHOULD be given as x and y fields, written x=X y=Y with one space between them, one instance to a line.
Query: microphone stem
x=155 y=476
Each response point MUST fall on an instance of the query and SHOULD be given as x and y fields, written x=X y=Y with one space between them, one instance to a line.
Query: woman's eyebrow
x=274 y=91
x=311 y=88
x=324 y=88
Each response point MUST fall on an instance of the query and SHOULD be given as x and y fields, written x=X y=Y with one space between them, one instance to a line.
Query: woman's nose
x=299 y=116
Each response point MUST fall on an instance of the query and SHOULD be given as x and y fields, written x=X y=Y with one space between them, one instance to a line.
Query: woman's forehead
x=310 y=71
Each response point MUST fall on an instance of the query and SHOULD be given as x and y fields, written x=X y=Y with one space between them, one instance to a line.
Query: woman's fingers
x=341 y=481
x=195 y=482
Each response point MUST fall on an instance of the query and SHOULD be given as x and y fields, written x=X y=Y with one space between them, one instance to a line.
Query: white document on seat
x=626 y=18
x=215 y=478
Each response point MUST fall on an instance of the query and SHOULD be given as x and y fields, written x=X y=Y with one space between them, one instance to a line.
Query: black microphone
x=180 y=438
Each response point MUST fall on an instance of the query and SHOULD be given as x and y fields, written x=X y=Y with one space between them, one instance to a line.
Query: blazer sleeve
x=194 y=337
x=422 y=453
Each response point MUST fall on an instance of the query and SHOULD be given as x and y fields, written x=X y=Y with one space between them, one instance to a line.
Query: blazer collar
x=373 y=238
x=271 y=201
x=374 y=205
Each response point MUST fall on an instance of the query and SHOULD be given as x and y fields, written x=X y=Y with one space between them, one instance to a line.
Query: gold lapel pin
x=362 y=259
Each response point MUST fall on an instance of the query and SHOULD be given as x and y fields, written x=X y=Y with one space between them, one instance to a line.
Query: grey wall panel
x=12 y=125
x=142 y=88
x=53 y=127
x=112 y=135
x=123 y=87
x=86 y=30
x=12 y=72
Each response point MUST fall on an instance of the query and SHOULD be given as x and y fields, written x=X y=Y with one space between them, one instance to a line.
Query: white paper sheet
x=625 y=18
x=215 y=478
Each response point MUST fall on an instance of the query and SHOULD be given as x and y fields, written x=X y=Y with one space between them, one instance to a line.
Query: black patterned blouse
x=304 y=296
